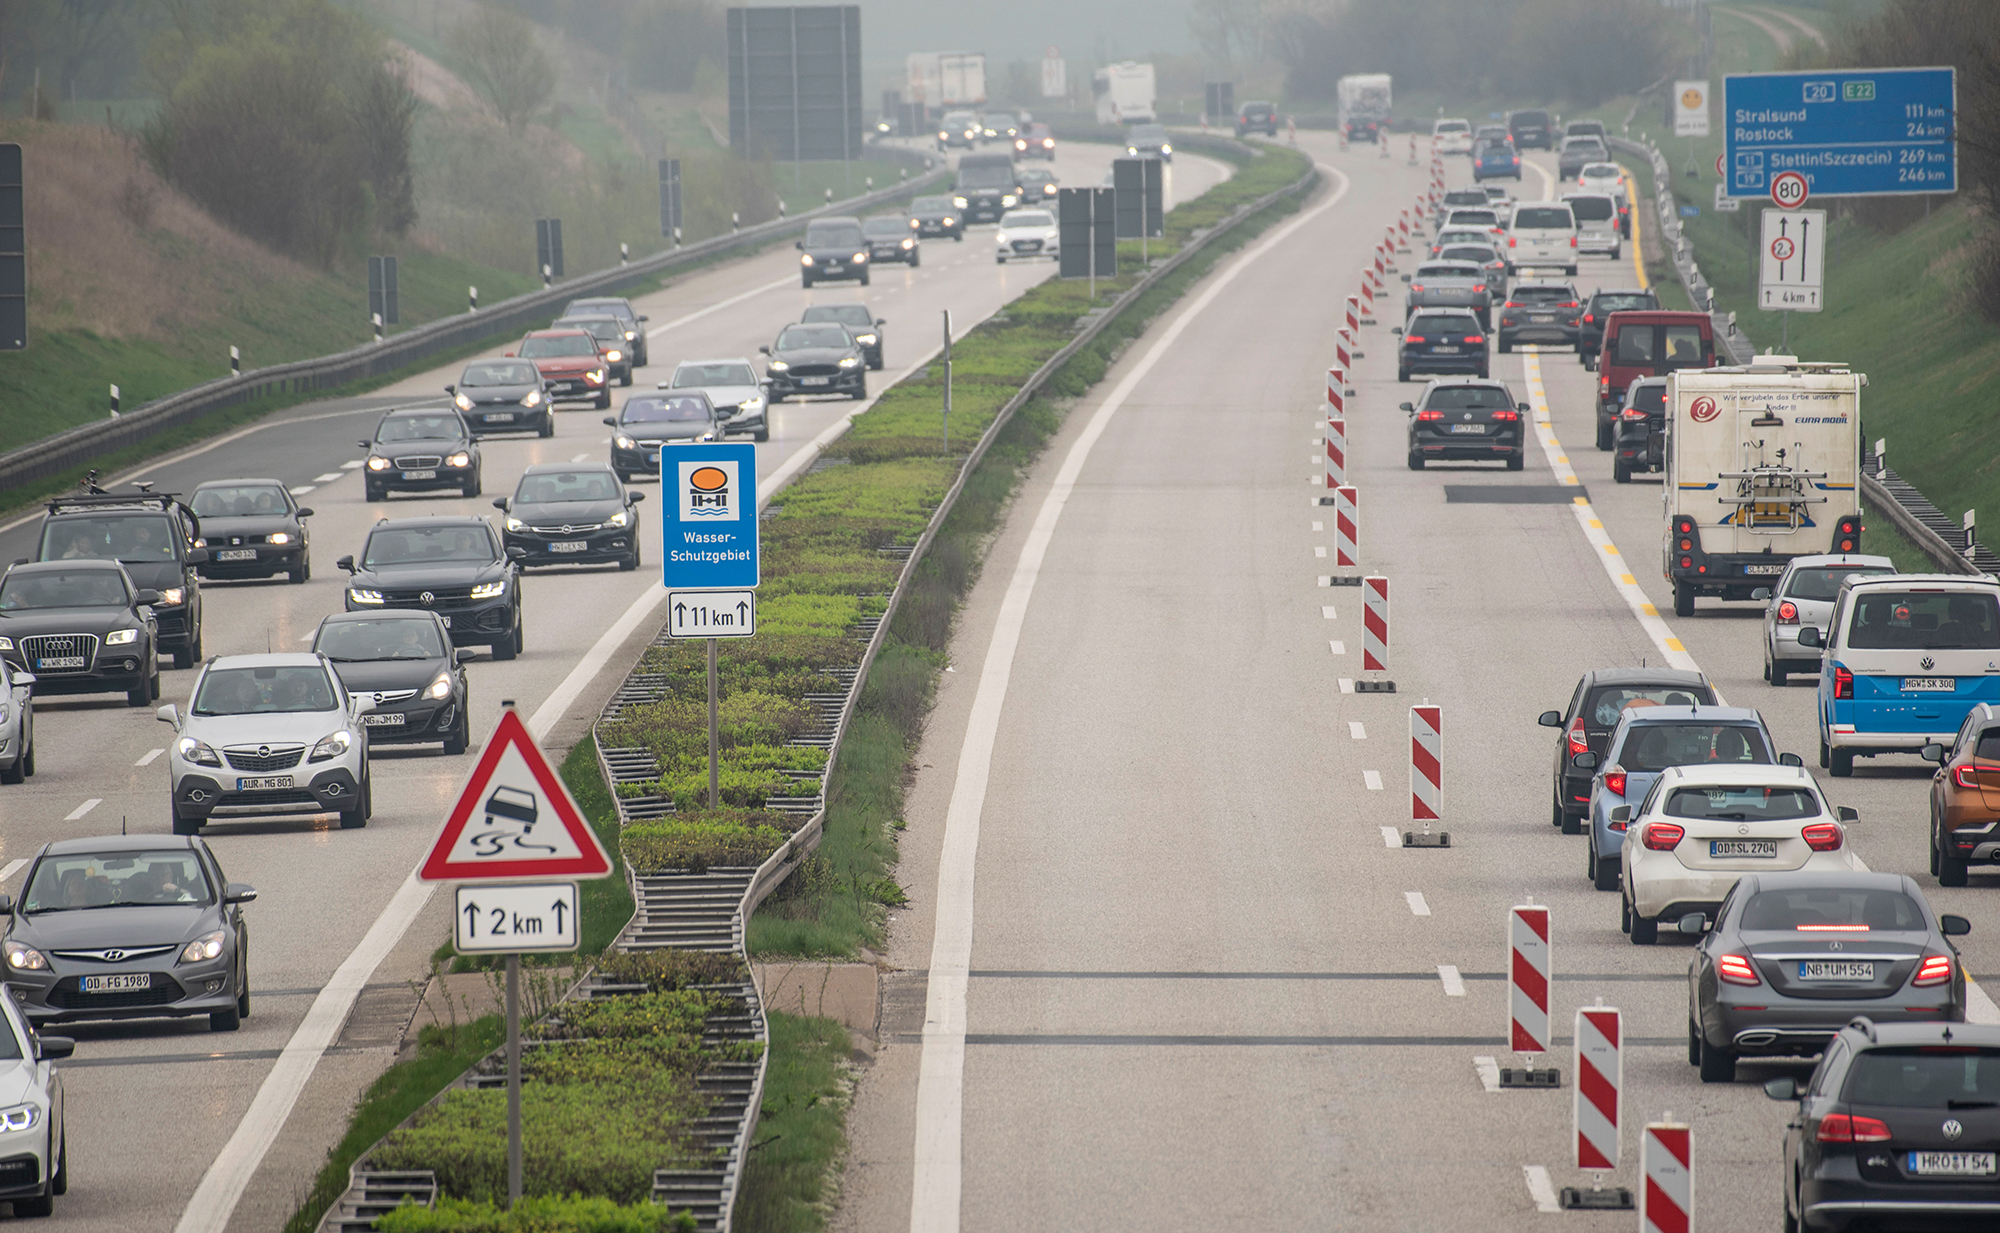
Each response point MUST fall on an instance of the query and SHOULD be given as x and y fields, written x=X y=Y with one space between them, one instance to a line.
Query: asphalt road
x=1166 y=963
x=169 y=1123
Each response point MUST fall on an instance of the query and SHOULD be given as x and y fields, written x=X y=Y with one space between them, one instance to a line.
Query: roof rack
x=1864 y=1025
x=113 y=500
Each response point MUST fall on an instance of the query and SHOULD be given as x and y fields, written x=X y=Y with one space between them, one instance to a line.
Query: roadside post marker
x=1354 y=314
x=1596 y=1108
x=1343 y=348
x=235 y=362
x=114 y=402
x=1346 y=535
x=1374 y=634
x=1336 y=392
x=1528 y=997
x=1666 y=1169
x=472 y=299
x=1426 y=777
x=1336 y=453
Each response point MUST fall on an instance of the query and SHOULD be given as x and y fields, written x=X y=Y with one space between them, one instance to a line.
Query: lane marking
x=581 y=458
x=148 y=759
x=1319 y=550
x=1979 y=1008
x=1540 y=1189
x=11 y=868
x=76 y=815
x=938 y=1174
x=1325 y=580
x=1336 y=646
x=1356 y=731
x=1416 y=901
x=309 y=635
x=1390 y=839
x=1319 y=526
x=302 y=490
x=1347 y=684
x=1373 y=780
x=1489 y=1073
x=1326 y=610
x=329 y=477
x=1454 y=986
x=733 y=300
x=349 y=466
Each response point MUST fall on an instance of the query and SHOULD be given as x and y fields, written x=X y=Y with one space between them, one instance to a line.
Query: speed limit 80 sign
x=1789 y=190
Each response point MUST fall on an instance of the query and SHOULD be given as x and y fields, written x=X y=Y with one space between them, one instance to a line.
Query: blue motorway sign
x=1850 y=133
x=708 y=516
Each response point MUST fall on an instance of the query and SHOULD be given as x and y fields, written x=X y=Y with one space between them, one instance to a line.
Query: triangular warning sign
x=514 y=819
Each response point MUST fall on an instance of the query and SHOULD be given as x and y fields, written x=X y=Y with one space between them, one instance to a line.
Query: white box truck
x=1364 y=105
x=1124 y=93
x=1763 y=463
x=941 y=80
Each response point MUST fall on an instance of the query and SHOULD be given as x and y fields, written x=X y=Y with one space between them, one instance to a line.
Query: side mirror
x=1397 y=330
x=146 y=597
x=346 y=563
x=168 y=715
x=239 y=892
x=1809 y=636
x=6 y=905
x=50 y=1048
x=1954 y=926
x=1404 y=406
x=763 y=351
x=304 y=511
x=464 y=655
x=1761 y=593
x=1548 y=719
x=364 y=444
x=517 y=554
x=1621 y=813
x=1932 y=752
x=1790 y=759
x=197 y=556
x=1585 y=761
x=799 y=244
x=644 y=317
x=612 y=421
x=1786 y=1088
x=451 y=389
x=1692 y=924
x=1523 y=408
x=499 y=503
x=1846 y=813
x=635 y=495
x=881 y=321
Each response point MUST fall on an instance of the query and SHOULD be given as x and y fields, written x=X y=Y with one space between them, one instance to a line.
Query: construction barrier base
x=1357 y=581
x=1373 y=687
x=1426 y=839
x=1509 y=1077
x=1576 y=1199
x=1345 y=580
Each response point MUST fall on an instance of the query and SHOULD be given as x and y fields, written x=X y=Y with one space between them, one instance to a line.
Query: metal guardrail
x=86 y=442
x=698 y=908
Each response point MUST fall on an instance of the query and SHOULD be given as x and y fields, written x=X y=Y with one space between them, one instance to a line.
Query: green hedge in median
x=571 y=1214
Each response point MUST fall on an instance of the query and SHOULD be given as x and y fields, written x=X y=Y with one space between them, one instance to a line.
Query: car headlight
x=1048 y=143
x=460 y=459
x=942 y=135
x=631 y=336
x=461 y=402
x=207 y=946
x=949 y=221
x=780 y=366
x=595 y=374
x=121 y=637
x=850 y=361
x=332 y=745
x=172 y=596
x=909 y=243
x=866 y=340
x=6 y=644
x=490 y=590
x=198 y=752
x=614 y=355
x=1008 y=199
x=805 y=259
x=1166 y=149
x=279 y=537
x=621 y=518
x=860 y=257
x=623 y=443
x=439 y=689
x=959 y=202
x=20 y=1117
x=1131 y=149
x=515 y=524
x=377 y=463
x=364 y=595
x=25 y=958
x=751 y=404
x=533 y=398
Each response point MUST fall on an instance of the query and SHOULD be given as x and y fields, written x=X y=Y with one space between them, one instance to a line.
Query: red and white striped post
x=1336 y=392
x=1354 y=314
x=1403 y=226
x=1666 y=1187
x=1426 y=764
x=1367 y=298
x=1346 y=526
x=1374 y=623
x=1381 y=265
x=1336 y=455
x=1342 y=348
x=1528 y=994
x=1600 y=1084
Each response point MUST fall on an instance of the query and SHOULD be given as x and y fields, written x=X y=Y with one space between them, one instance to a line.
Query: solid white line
x=309 y=635
x=1319 y=550
x=1372 y=780
x=1390 y=839
x=1336 y=646
x=77 y=813
x=1347 y=684
x=1416 y=901
x=1489 y=1073
x=1356 y=731
x=1540 y=1188
x=1454 y=987
x=937 y=1185
x=329 y=477
x=1326 y=610
x=148 y=759
x=718 y=306
x=302 y=490
x=12 y=867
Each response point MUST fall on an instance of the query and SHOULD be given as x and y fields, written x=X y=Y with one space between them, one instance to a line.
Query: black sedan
x=1794 y=956
x=1898 y=1128
x=503 y=396
x=892 y=238
x=252 y=528
x=81 y=627
x=420 y=451
x=1468 y=420
x=403 y=661
x=1595 y=707
x=1442 y=341
x=939 y=217
x=452 y=565
x=1149 y=141
x=1538 y=312
x=567 y=513
x=649 y=422
x=833 y=248
x=821 y=358
x=130 y=927
x=1450 y=284
x=861 y=322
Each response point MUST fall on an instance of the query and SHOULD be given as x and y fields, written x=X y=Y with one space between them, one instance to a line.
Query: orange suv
x=1965 y=797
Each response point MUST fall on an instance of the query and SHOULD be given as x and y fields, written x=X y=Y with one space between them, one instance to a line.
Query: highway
x=171 y=1127
x=1166 y=964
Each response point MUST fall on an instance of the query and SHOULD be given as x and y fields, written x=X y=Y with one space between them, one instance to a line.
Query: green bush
x=672 y=969
x=537 y=1214
x=695 y=843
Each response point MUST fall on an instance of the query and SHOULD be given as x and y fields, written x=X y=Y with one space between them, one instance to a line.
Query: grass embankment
x=801 y=1130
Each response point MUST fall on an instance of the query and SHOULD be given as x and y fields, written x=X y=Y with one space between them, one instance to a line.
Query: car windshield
x=699 y=376
x=133 y=537
x=799 y=337
x=428 y=545
x=680 y=410
x=1544 y=217
x=283 y=689
x=1426 y=327
x=1479 y=253
x=845 y=314
x=1655 y=747
x=1542 y=295
x=1926 y=1077
x=1822 y=582
x=494 y=374
x=891 y=227
x=833 y=235
x=383 y=637
x=1148 y=134
x=986 y=176
x=1606 y=304
x=1925 y=621
x=1029 y=218
x=1831 y=909
x=1446 y=271
x=1468 y=398
x=600 y=328
x=240 y=501
x=931 y=205
x=1650 y=397
x=420 y=428
x=554 y=346
x=1736 y=803
x=1593 y=209
x=548 y=487
x=82 y=588
x=593 y=308
x=76 y=880
x=1607 y=704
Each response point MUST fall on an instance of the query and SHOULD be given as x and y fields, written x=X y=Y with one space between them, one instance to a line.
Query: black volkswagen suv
x=404 y=661
x=1466 y=420
x=571 y=513
x=451 y=564
x=815 y=359
x=81 y=627
x=156 y=539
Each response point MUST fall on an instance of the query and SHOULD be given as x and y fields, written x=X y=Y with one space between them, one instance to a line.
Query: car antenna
x=121 y=824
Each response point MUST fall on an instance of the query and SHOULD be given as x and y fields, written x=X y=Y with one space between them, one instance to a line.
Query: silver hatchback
x=1803 y=596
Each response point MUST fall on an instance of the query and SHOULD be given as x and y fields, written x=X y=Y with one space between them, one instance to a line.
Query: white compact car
x=733 y=390
x=1701 y=827
x=17 y=723
x=1803 y=597
x=1601 y=178
x=1596 y=223
x=268 y=734
x=1452 y=136
x=34 y=1162
x=1027 y=233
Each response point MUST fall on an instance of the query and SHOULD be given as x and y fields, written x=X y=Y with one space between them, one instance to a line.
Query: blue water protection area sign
x=1850 y=133
x=708 y=516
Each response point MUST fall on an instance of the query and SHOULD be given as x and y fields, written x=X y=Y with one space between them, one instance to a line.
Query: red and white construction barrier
x=1367 y=298
x=1343 y=343
x=1336 y=455
x=1426 y=764
x=1528 y=979
x=1666 y=1183
x=1336 y=392
x=1354 y=313
x=1374 y=624
x=1292 y=129
x=1600 y=1084
x=1346 y=525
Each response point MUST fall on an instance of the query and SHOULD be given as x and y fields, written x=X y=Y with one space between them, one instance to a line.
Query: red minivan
x=1646 y=343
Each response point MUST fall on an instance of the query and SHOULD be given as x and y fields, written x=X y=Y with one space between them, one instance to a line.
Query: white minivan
x=1596 y=223
x=1542 y=235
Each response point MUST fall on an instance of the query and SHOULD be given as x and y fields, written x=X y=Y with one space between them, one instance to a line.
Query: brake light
x=1572 y=241
x=1936 y=970
x=1662 y=836
x=1567 y=304
x=1614 y=780
x=1475 y=338
x=1788 y=613
x=1511 y=242
x=1511 y=303
x=1410 y=338
x=1632 y=413
x=1822 y=836
x=1577 y=743
x=1430 y=415
x=1416 y=286
x=1590 y=317
x=1849 y=1128
x=1507 y=416
x=1965 y=777
x=1843 y=682
x=1737 y=970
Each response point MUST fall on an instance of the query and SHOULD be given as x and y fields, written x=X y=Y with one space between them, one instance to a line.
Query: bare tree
x=505 y=65
x=385 y=119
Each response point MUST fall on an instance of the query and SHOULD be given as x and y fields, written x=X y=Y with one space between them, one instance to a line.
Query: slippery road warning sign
x=514 y=819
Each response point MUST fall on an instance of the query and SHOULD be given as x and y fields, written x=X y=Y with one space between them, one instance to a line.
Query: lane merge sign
x=708 y=516
x=1847 y=133
x=514 y=820
x=1791 y=267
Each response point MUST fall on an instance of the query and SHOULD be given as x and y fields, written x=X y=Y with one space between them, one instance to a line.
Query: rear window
x=1989 y=745
x=1469 y=398
x=1606 y=704
x=1542 y=295
x=1593 y=209
x=1545 y=217
x=1465 y=197
x=1425 y=327
x=1650 y=398
x=1924 y=620
x=1471 y=218
x=1529 y=117
x=1655 y=747
x=1453 y=126
x=1831 y=909
x=1637 y=344
x=1823 y=582
x=1685 y=347
x=1471 y=252
x=1742 y=804
x=1927 y=1077
x=1622 y=303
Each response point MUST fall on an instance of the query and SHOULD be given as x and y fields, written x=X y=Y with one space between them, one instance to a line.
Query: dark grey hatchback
x=129 y=927
x=1468 y=421
x=1447 y=341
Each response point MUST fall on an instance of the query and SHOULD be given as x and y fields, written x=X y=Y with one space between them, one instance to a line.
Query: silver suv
x=268 y=734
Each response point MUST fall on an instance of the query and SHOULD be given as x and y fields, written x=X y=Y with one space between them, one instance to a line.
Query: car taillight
x=1510 y=241
x=1822 y=836
x=1843 y=683
x=1632 y=413
x=1788 y=613
x=1662 y=836
x=1506 y=416
x=1572 y=241
x=1416 y=286
x=1430 y=415
x=1737 y=970
x=1475 y=338
x=1577 y=743
x=1567 y=304
x=1935 y=970
x=1614 y=781
x=1409 y=338
x=1513 y=303
x=1965 y=777
x=1849 y=1128
x=1590 y=316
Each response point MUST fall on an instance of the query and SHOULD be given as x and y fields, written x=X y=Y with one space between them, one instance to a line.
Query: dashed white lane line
x=1326 y=610
x=351 y=465
x=1319 y=550
x=1347 y=684
x=1336 y=646
x=1311 y=459
x=309 y=635
x=303 y=489
x=1356 y=731
x=329 y=477
x=1390 y=839
x=1489 y=1073
x=1319 y=526
x=1416 y=901
x=76 y=815
x=1454 y=985
x=12 y=867
x=148 y=759
x=581 y=458
x=1541 y=1189
x=1325 y=580
x=718 y=306
x=1372 y=780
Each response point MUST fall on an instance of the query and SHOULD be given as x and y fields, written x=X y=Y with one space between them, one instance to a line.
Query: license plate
x=1444 y=350
x=419 y=475
x=568 y=545
x=562 y=387
x=60 y=661
x=832 y=267
x=1952 y=1164
x=254 y=783
x=1929 y=684
x=499 y=417
x=384 y=719
x=1764 y=570
x=814 y=380
x=237 y=554
x=1469 y=429
x=1541 y=318
x=1742 y=847
x=1836 y=971
x=117 y=984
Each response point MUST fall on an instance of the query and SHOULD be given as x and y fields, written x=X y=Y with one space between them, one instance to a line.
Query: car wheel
x=603 y=402
x=1570 y=270
x=864 y=280
x=59 y=1184
x=999 y=260
x=1951 y=870
x=460 y=738
x=1517 y=462
x=371 y=492
x=1683 y=599
x=28 y=759
x=860 y=393
x=1840 y=763
x=1717 y=1065
x=243 y=990
x=1402 y=374
x=227 y=1020
x=1694 y=1043
x=1824 y=751
x=1624 y=914
x=1605 y=876
x=1485 y=374
x=548 y=428
x=302 y=571
x=626 y=379
x=139 y=695
x=762 y=434
x=472 y=489
x=1505 y=347
x=1777 y=674
x=631 y=562
x=1935 y=844
x=876 y=366
x=916 y=259
x=504 y=650
x=1416 y=462
x=1607 y=432
x=958 y=237
x=184 y=657
x=1645 y=931
x=1620 y=473
x=18 y=773
x=186 y=826
x=1572 y=825
x=807 y=283
x=355 y=818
